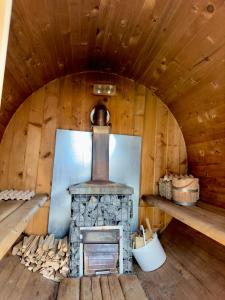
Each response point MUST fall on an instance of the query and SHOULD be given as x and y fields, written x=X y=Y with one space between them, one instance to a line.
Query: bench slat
x=13 y=225
x=7 y=207
x=206 y=222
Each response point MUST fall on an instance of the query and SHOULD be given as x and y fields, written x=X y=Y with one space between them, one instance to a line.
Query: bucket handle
x=183 y=186
x=183 y=189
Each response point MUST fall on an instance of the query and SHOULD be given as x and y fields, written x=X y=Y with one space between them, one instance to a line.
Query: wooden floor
x=194 y=269
x=111 y=287
x=17 y=283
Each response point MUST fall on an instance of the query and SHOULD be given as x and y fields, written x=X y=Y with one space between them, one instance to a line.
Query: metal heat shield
x=72 y=164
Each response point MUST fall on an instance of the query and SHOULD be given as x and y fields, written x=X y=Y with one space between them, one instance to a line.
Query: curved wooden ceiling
x=176 y=47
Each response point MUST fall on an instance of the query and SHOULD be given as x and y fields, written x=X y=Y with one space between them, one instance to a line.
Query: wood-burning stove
x=100 y=202
x=101 y=214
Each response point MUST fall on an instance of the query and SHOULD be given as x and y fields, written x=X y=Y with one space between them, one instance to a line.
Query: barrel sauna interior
x=167 y=61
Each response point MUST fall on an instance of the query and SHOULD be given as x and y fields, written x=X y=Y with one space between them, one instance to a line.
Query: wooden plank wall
x=27 y=147
x=176 y=47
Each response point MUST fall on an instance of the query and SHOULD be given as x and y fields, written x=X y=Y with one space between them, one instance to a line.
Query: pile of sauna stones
x=101 y=210
x=97 y=212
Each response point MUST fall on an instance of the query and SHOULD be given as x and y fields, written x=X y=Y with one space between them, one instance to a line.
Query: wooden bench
x=208 y=222
x=111 y=287
x=14 y=218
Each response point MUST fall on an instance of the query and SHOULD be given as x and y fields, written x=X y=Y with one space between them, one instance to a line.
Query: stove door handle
x=105 y=272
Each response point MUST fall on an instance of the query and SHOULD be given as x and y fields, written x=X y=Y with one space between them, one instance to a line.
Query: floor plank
x=96 y=288
x=9 y=285
x=6 y=270
x=105 y=288
x=39 y=288
x=17 y=283
x=131 y=287
x=115 y=288
x=194 y=269
x=85 y=289
x=69 y=289
x=195 y=266
x=20 y=286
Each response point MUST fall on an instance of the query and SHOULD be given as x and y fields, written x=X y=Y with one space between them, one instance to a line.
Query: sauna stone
x=100 y=210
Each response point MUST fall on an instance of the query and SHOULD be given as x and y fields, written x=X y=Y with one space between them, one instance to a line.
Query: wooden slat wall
x=176 y=47
x=27 y=148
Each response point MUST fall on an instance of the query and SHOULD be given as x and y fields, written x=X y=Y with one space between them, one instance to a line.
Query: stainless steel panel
x=124 y=166
x=72 y=164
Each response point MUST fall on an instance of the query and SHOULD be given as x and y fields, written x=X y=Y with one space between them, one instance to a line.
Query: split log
x=47 y=255
x=17 y=248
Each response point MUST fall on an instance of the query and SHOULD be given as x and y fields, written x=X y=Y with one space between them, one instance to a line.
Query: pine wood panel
x=209 y=223
x=27 y=148
x=176 y=48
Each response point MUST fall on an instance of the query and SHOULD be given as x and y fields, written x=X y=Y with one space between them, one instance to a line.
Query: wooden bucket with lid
x=185 y=191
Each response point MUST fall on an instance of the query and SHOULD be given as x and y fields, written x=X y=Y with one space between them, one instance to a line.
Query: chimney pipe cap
x=100 y=115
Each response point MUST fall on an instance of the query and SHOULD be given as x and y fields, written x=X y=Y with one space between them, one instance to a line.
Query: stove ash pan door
x=101 y=259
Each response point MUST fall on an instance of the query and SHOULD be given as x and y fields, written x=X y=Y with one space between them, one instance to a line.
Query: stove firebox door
x=101 y=259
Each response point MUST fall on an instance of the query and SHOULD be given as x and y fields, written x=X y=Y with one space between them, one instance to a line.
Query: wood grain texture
x=105 y=288
x=85 y=288
x=176 y=48
x=69 y=289
x=115 y=288
x=131 y=287
x=15 y=223
x=66 y=103
x=17 y=283
x=193 y=262
x=7 y=207
x=212 y=224
x=96 y=288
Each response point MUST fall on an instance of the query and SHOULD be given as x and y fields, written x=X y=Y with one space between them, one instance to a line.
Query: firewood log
x=27 y=242
x=32 y=247
x=16 y=248
x=49 y=240
x=48 y=256
x=64 y=246
x=40 y=242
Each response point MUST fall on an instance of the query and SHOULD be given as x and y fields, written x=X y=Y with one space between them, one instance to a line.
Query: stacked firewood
x=165 y=184
x=16 y=195
x=143 y=236
x=47 y=255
